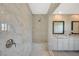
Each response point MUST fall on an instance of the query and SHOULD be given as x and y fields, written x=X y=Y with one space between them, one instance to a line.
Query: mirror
x=58 y=27
x=75 y=27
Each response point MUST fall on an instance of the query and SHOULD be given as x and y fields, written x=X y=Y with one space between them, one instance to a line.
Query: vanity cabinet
x=52 y=44
x=71 y=44
x=76 y=44
x=60 y=44
x=64 y=44
x=55 y=43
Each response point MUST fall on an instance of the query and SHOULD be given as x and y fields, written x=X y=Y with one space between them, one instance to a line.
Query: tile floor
x=39 y=50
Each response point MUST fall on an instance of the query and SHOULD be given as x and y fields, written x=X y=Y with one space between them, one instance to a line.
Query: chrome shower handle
x=14 y=44
x=9 y=43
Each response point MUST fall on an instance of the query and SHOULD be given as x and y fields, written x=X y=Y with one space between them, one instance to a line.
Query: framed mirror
x=58 y=27
x=75 y=27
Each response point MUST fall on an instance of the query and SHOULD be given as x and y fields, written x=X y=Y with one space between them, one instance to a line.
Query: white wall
x=19 y=18
x=63 y=41
x=40 y=29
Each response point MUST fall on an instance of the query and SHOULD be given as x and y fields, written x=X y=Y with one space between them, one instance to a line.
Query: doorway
x=40 y=35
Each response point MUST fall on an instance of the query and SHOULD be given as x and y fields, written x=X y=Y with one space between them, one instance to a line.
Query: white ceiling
x=39 y=8
x=67 y=8
x=63 y=8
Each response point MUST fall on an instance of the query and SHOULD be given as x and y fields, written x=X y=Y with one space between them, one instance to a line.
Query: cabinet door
x=65 y=44
x=60 y=44
x=50 y=44
x=76 y=44
x=54 y=44
x=71 y=44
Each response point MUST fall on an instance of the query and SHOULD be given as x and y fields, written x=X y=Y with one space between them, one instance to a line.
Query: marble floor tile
x=39 y=50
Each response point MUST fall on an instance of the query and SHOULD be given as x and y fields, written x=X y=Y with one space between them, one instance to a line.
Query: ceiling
x=39 y=8
x=54 y=8
x=67 y=8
